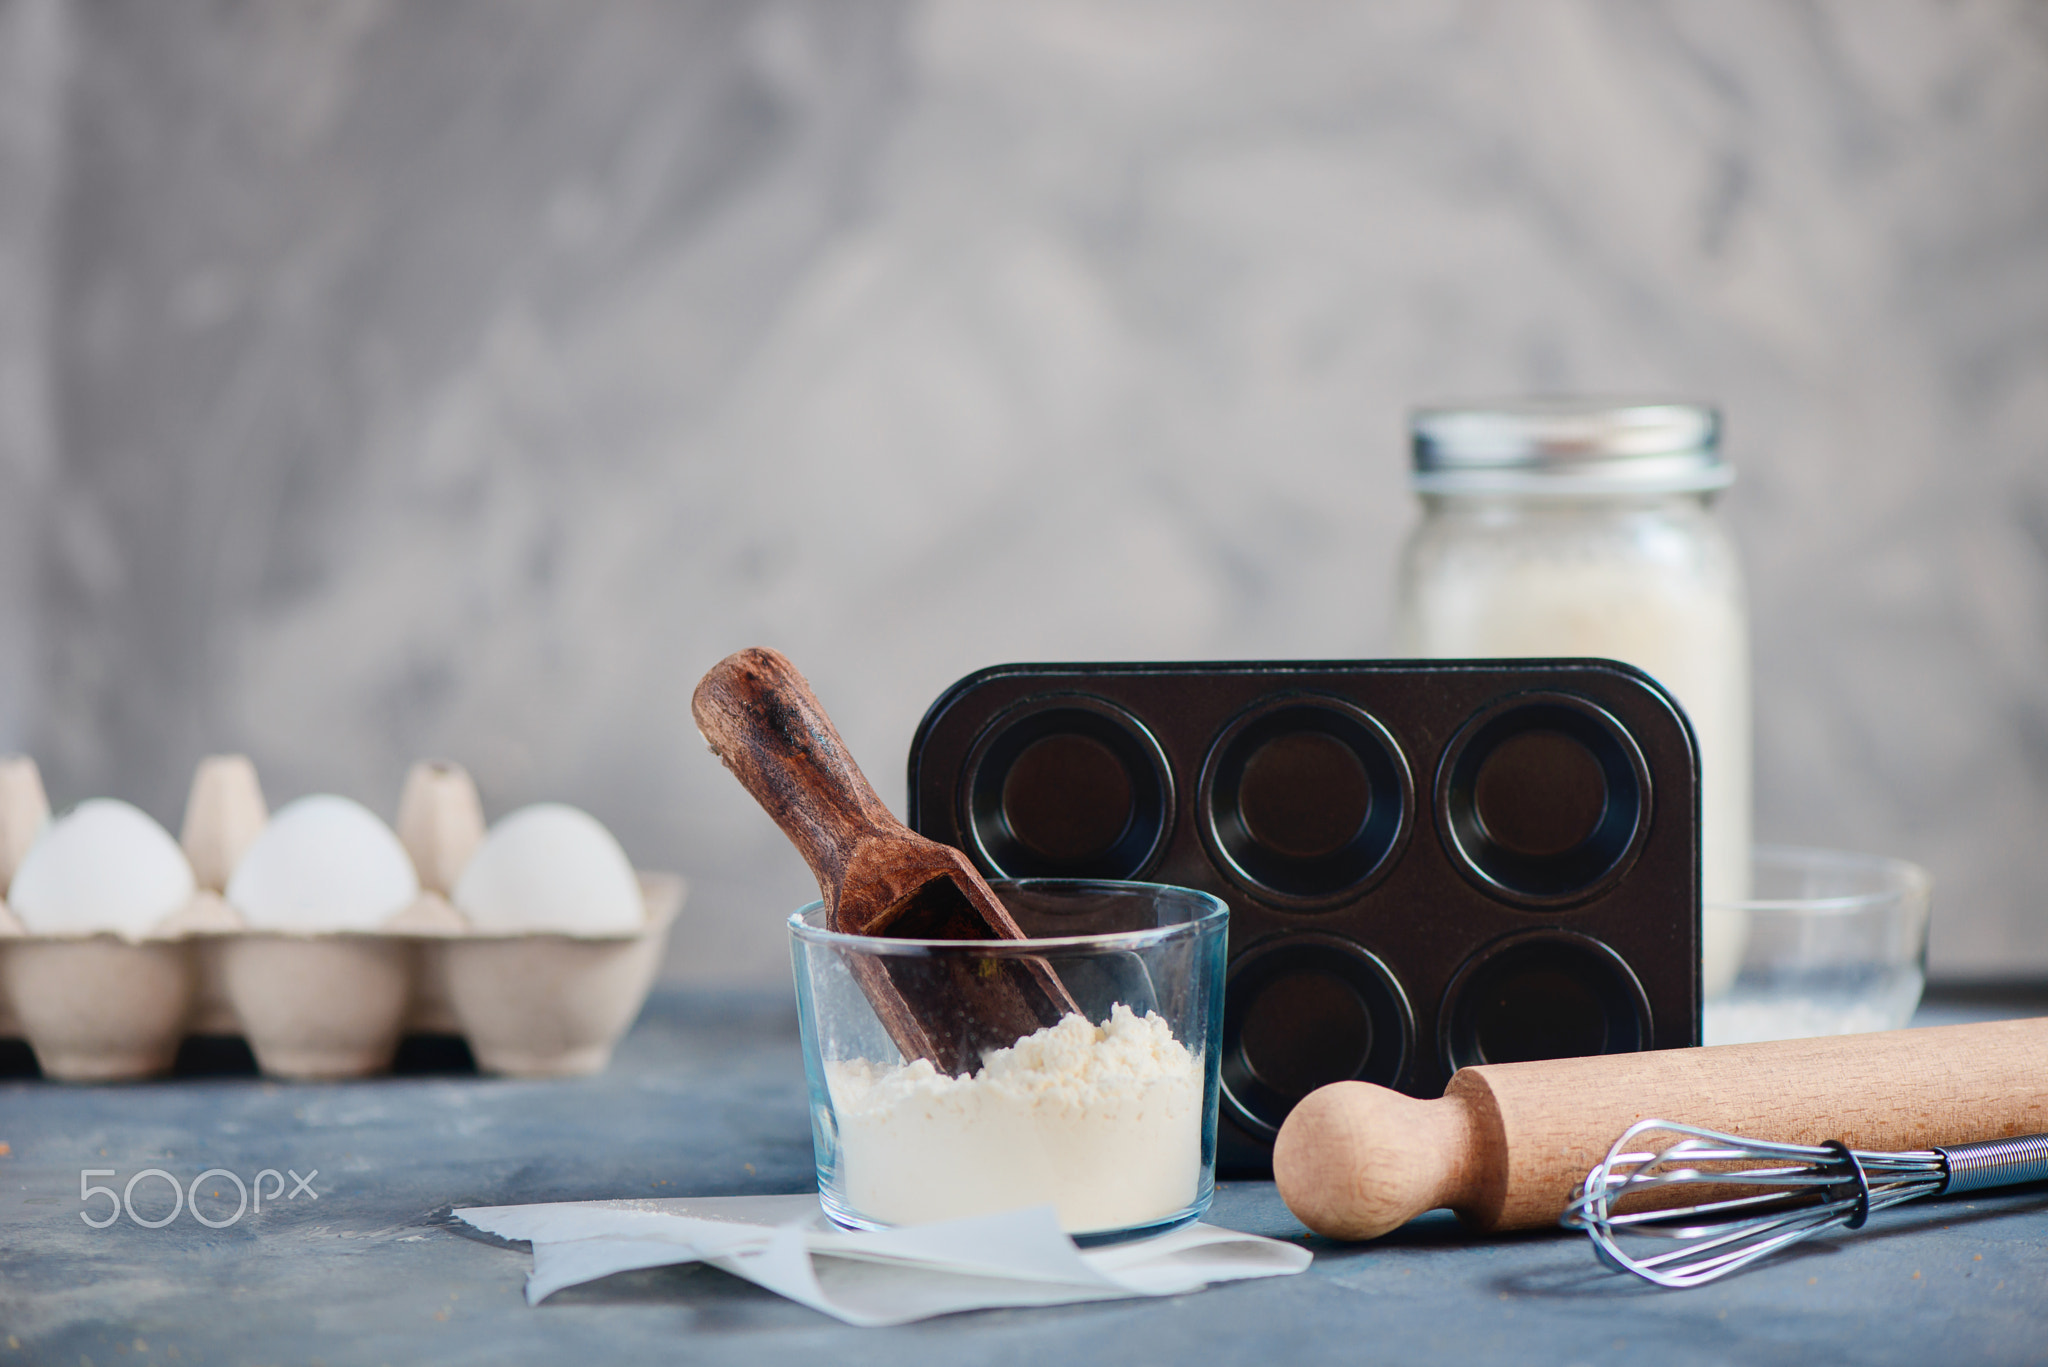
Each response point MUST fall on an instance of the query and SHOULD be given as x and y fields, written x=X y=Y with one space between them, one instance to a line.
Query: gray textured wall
x=382 y=380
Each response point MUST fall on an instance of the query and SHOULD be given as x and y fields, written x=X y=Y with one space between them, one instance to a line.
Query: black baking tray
x=1428 y=863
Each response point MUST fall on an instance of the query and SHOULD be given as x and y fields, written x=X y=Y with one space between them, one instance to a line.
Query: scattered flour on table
x=1103 y=1122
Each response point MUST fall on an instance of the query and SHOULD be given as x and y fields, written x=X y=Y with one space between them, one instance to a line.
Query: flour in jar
x=1102 y=1122
x=1669 y=603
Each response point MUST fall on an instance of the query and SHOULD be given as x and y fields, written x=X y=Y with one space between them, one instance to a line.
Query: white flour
x=1102 y=1122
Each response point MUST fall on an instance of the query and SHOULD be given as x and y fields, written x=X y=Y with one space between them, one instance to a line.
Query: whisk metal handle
x=1995 y=1163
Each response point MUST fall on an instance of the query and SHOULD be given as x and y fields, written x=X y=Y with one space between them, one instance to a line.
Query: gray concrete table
x=706 y=1097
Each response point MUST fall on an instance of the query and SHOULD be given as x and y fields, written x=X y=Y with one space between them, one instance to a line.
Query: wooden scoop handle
x=761 y=719
x=1507 y=1142
x=876 y=875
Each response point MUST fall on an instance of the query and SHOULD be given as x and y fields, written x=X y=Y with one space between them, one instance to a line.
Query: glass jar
x=1574 y=528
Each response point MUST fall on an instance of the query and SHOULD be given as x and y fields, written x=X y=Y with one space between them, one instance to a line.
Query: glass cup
x=1836 y=944
x=1108 y=1117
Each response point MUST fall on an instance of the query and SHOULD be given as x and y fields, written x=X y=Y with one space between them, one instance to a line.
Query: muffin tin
x=103 y=1007
x=1428 y=864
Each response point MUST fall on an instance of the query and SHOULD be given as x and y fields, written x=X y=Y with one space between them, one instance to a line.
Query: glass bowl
x=1833 y=944
x=1108 y=1117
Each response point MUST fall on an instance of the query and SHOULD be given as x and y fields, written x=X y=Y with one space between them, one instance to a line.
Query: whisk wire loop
x=1762 y=1196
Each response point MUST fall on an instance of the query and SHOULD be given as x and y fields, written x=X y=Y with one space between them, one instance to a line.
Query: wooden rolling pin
x=1508 y=1141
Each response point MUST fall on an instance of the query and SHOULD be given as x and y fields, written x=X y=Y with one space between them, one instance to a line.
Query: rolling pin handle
x=1355 y=1161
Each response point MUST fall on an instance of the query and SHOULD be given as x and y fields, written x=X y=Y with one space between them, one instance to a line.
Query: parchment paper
x=786 y=1244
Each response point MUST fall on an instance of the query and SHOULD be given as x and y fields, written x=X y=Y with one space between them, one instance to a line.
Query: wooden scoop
x=1508 y=1141
x=876 y=875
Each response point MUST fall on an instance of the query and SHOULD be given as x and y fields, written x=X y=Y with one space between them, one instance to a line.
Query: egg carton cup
x=107 y=1006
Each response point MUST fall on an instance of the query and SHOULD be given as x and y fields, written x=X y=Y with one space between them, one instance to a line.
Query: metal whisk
x=1806 y=1189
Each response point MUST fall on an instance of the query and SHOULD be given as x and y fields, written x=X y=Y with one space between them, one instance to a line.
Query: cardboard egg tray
x=105 y=1007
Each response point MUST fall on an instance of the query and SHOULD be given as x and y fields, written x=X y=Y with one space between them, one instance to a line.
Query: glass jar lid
x=1568 y=446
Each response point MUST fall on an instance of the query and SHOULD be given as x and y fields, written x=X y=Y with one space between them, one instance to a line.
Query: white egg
x=323 y=863
x=103 y=866
x=550 y=867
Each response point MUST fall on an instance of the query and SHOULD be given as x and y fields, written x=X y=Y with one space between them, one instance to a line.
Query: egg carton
x=105 y=1006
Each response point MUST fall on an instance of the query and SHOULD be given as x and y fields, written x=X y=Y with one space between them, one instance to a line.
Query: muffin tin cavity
x=1545 y=799
x=1545 y=994
x=1304 y=1011
x=1067 y=787
x=1305 y=800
